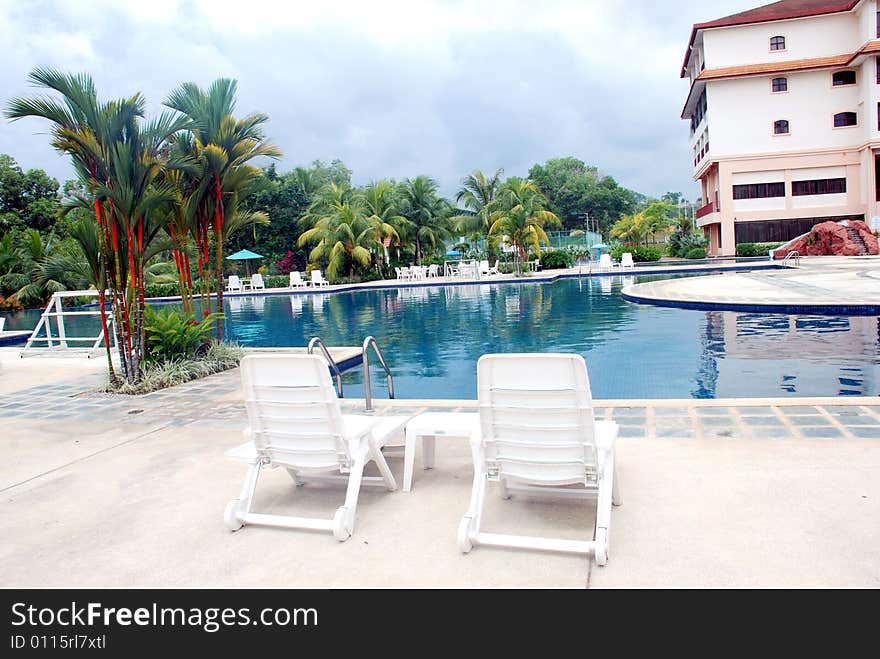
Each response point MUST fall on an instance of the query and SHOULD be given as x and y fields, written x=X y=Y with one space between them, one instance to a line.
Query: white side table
x=429 y=426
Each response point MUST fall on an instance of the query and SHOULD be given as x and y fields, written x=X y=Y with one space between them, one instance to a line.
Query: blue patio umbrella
x=245 y=255
x=600 y=246
x=453 y=253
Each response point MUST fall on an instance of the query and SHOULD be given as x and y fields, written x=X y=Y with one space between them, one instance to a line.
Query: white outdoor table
x=429 y=426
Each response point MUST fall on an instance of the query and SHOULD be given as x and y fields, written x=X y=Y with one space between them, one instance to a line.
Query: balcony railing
x=706 y=210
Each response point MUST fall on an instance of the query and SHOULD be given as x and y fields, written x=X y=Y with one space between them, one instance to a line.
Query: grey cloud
x=389 y=108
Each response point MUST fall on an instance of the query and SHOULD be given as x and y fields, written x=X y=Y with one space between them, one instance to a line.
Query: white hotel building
x=784 y=108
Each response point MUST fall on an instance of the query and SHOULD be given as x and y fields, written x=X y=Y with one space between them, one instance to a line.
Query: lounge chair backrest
x=2 y=322
x=317 y=276
x=257 y=281
x=234 y=281
x=484 y=267
x=605 y=261
x=433 y=270
x=626 y=259
x=536 y=416
x=295 y=278
x=293 y=411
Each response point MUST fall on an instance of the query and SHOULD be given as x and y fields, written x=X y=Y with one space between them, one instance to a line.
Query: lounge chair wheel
x=601 y=547
x=341 y=527
x=230 y=516
x=464 y=531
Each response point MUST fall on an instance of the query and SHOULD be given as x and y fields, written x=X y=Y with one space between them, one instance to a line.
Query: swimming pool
x=433 y=336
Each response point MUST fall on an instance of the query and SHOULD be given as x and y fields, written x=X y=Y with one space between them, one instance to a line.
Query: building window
x=878 y=24
x=780 y=127
x=777 y=43
x=877 y=60
x=781 y=84
x=819 y=186
x=759 y=190
x=842 y=119
x=842 y=78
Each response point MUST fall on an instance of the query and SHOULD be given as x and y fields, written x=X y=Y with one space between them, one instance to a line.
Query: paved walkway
x=845 y=285
x=107 y=490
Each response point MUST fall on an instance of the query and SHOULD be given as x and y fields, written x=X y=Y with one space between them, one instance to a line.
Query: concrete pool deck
x=832 y=284
x=100 y=490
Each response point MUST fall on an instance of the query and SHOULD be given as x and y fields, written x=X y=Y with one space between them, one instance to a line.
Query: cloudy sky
x=394 y=88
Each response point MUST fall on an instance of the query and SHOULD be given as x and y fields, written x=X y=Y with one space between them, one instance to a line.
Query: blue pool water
x=433 y=336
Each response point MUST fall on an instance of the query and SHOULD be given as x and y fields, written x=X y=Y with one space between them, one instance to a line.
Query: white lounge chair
x=2 y=323
x=318 y=279
x=605 y=262
x=626 y=260
x=484 y=268
x=233 y=284
x=433 y=270
x=538 y=435
x=257 y=282
x=295 y=423
x=296 y=280
x=494 y=269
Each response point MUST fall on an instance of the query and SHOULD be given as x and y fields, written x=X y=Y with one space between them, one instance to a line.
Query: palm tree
x=343 y=237
x=380 y=204
x=478 y=196
x=119 y=162
x=221 y=145
x=426 y=215
x=521 y=215
x=630 y=229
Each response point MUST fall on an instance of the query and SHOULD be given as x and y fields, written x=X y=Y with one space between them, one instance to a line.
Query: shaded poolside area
x=104 y=490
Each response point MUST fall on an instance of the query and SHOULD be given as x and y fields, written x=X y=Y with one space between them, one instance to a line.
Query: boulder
x=831 y=239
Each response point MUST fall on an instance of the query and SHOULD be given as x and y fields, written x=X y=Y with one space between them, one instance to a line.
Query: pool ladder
x=365 y=357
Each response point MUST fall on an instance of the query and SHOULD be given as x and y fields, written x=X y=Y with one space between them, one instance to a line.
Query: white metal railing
x=61 y=341
x=794 y=257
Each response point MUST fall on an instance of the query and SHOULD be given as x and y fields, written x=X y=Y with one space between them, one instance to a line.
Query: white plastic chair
x=257 y=282
x=296 y=280
x=233 y=284
x=605 y=262
x=295 y=423
x=318 y=279
x=626 y=260
x=433 y=270
x=538 y=435
x=494 y=269
x=484 y=268
x=2 y=323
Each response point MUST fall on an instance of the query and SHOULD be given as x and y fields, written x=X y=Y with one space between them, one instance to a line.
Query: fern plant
x=172 y=334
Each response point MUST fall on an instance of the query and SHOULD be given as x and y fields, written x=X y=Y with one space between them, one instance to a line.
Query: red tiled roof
x=777 y=11
x=775 y=67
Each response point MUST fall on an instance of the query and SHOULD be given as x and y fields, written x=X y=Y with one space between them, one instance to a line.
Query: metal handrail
x=316 y=341
x=792 y=256
x=368 y=396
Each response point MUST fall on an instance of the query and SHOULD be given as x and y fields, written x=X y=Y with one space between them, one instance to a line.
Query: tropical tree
x=119 y=160
x=521 y=216
x=344 y=232
x=426 y=215
x=630 y=229
x=23 y=268
x=477 y=195
x=380 y=204
x=218 y=148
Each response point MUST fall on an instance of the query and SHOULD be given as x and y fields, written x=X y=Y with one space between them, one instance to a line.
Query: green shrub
x=755 y=249
x=159 y=375
x=273 y=281
x=696 y=253
x=161 y=290
x=681 y=243
x=556 y=260
x=171 y=334
x=640 y=254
